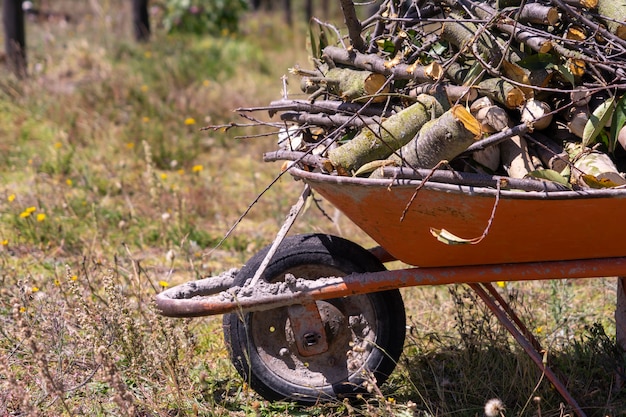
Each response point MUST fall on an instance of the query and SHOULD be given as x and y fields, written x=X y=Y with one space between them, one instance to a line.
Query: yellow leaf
x=448 y=238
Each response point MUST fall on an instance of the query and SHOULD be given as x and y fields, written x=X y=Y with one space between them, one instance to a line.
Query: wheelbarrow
x=315 y=317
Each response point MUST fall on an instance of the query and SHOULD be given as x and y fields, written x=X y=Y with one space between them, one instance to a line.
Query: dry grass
x=110 y=191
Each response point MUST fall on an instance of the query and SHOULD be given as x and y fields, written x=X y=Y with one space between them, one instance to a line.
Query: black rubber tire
x=372 y=324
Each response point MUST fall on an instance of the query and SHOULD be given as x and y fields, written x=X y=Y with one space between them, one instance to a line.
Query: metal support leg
x=510 y=322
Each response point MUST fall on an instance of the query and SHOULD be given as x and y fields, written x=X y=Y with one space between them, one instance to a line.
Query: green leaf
x=472 y=75
x=619 y=120
x=600 y=116
x=566 y=73
x=550 y=175
x=537 y=61
x=372 y=166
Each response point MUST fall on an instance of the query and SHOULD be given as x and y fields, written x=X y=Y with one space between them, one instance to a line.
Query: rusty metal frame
x=213 y=296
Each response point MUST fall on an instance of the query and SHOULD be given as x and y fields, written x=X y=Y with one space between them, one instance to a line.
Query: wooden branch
x=320 y=106
x=329 y=120
x=539 y=14
x=593 y=169
x=354 y=25
x=441 y=139
x=502 y=92
x=355 y=85
x=380 y=141
x=376 y=63
x=516 y=158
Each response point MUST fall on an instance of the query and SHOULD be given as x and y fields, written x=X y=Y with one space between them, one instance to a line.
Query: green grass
x=110 y=190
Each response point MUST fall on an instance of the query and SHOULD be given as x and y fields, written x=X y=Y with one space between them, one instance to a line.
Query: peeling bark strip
x=380 y=141
x=441 y=139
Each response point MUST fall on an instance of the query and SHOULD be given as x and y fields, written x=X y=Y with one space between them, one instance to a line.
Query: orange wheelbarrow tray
x=532 y=235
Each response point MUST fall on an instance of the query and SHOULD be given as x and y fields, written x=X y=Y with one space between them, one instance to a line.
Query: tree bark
x=376 y=63
x=615 y=12
x=379 y=142
x=441 y=139
x=349 y=84
x=516 y=159
x=592 y=168
x=14 y=36
x=354 y=25
x=502 y=92
x=141 y=20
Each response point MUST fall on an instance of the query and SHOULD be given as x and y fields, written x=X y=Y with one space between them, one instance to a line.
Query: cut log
x=441 y=139
x=380 y=141
x=378 y=64
x=537 y=113
x=593 y=169
x=551 y=154
x=493 y=119
x=461 y=33
x=488 y=157
x=502 y=92
x=516 y=159
x=540 y=14
x=350 y=85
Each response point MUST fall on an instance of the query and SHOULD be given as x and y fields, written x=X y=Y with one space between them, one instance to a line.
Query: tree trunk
x=141 y=20
x=14 y=36
x=288 y=12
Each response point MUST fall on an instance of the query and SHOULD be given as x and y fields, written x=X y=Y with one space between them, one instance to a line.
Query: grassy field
x=110 y=192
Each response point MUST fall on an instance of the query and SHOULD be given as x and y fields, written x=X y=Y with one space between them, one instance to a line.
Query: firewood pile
x=530 y=90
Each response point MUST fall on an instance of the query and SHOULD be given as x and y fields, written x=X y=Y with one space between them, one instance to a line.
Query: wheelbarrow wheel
x=364 y=333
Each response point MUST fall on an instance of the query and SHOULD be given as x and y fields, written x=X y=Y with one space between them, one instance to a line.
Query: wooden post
x=14 y=36
x=141 y=20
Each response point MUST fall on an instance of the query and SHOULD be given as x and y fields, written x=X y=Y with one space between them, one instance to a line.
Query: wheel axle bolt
x=310 y=339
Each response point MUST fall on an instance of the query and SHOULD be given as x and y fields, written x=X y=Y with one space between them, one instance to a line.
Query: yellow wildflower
x=57 y=282
x=11 y=198
x=22 y=309
x=130 y=145
x=58 y=145
x=164 y=284
x=197 y=168
x=147 y=54
x=34 y=289
x=206 y=83
x=163 y=176
x=5 y=242
x=41 y=217
x=501 y=284
x=69 y=182
x=181 y=172
x=74 y=277
x=144 y=88
x=190 y=121
x=145 y=119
